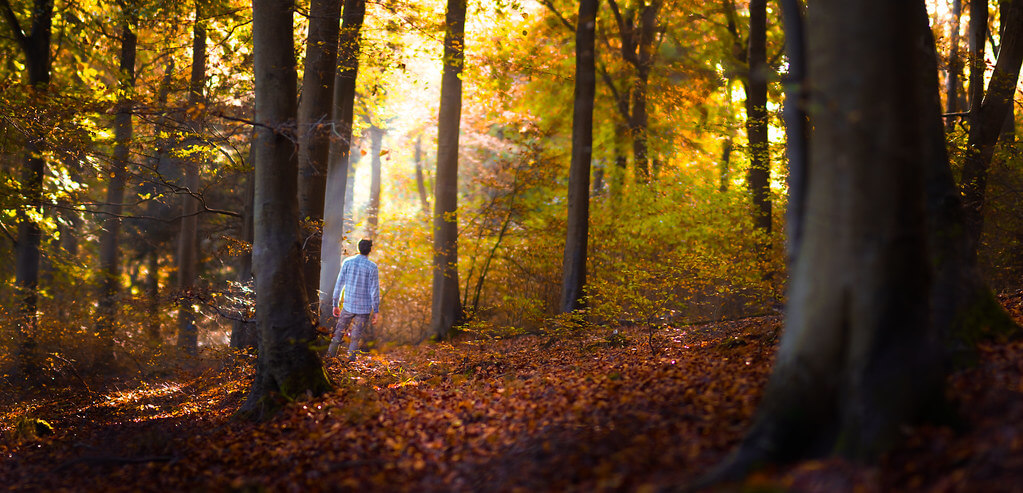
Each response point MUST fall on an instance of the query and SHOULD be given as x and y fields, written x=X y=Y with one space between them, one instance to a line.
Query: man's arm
x=339 y=286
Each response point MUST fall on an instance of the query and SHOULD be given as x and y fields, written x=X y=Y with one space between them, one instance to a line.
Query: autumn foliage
x=637 y=409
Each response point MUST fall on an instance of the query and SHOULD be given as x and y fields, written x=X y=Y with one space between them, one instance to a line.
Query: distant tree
x=637 y=30
x=376 y=138
x=447 y=309
x=243 y=331
x=339 y=169
x=286 y=366
x=573 y=278
x=109 y=254
x=424 y=201
x=315 y=128
x=188 y=239
x=756 y=117
x=954 y=67
x=989 y=109
x=35 y=45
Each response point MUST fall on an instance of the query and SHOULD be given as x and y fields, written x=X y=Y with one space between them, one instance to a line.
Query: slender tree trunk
x=424 y=201
x=243 y=332
x=36 y=47
x=797 y=128
x=109 y=254
x=447 y=309
x=157 y=231
x=341 y=145
x=987 y=118
x=188 y=245
x=978 y=38
x=573 y=280
x=315 y=126
x=286 y=366
x=954 y=72
x=756 y=119
x=859 y=357
x=376 y=135
x=152 y=257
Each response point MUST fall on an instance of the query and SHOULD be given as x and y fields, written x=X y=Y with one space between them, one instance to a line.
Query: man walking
x=359 y=282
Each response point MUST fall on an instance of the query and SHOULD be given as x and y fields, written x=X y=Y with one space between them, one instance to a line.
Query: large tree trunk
x=315 y=126
x=341 y=145
x=858 y=358
x=756 y=119
x=376 y=135
x=109 y=258
x=188 y=240
x=36 y=47
x=573 y=277
x=988 y=117
x=287 y=367
x=447 y=309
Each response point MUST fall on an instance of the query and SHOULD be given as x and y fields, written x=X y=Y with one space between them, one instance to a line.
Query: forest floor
x=635 y=410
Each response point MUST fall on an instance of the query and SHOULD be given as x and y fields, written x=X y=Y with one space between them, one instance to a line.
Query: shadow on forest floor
x=634 y=410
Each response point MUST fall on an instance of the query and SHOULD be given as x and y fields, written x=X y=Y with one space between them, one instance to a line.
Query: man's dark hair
x=365 y=245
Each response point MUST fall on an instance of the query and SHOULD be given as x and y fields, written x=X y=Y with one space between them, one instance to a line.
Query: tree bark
x=341 y=145
x=756 y=119
x=109 y=254
x=859 y=357
x=447 y=310
x=573 y=280
x=987 y=119
x=287 y=367
x=315 y=126
x=376 y=135
x=188 y=239
x=36 y=47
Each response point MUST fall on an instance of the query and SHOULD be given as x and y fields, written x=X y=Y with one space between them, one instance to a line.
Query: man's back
x=359 y=282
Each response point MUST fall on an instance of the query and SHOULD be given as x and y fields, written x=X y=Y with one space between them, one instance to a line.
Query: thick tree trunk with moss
x=315 y=128
x=109 y=253
x=447 y=308
x=859 y=357
x=337 y=192
x=573 y=277
x=287 y=366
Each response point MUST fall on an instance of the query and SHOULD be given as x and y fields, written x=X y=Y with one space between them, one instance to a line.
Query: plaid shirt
x=359 y=282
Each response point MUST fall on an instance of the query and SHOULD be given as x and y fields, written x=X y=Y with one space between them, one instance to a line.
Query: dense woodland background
x=131 y=195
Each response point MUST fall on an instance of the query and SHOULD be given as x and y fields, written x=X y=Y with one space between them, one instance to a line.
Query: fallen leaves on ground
x=636 y=410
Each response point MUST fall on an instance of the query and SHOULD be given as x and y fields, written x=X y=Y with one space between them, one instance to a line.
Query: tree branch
x=12 y=20
x=8 y=234
x=550 y=6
